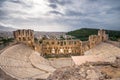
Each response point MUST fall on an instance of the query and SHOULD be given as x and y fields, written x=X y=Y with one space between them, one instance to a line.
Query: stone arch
x=24 y=39
x=19 y=38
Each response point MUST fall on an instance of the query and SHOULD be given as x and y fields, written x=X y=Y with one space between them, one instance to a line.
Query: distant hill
x=84 y=33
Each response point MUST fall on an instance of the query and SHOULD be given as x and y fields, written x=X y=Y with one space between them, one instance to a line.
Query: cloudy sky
x=60 y=15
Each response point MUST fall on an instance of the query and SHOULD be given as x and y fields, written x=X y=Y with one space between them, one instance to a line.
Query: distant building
x=6 y=35
x=68 y=37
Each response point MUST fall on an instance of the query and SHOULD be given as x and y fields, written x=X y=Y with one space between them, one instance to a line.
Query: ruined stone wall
x=61 y=47
x=51 y=46
x=85 y=46
x=96 y=39
x=73 y=46
x=24 y=36
x=103 y=35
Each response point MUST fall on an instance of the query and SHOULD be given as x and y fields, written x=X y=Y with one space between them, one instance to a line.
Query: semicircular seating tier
x=104 y=52
x=21 y=62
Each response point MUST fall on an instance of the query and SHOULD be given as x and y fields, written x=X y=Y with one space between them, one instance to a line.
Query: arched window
x=19 y=39
x=61 y=43
x=53 y=43
x=47 y=43
x=75 y=42
x=24 y=39
x=64 y=43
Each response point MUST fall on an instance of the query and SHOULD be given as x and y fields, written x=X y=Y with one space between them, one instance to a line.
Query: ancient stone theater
x=58 y=46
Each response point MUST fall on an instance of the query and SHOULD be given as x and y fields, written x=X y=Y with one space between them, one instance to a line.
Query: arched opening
x=19 y=39
x=24 y=39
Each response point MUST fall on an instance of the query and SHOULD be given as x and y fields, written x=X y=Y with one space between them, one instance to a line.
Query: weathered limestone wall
x=94 y=40
x=85 y=46
x=61 y=47
x=27 y=37
x=103 y=35
x=24 y=36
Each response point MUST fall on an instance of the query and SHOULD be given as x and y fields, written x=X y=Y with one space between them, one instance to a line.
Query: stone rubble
x=88 y=71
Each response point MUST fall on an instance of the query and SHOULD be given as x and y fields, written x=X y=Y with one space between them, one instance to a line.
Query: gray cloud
x=1 y=1
x=74 y=13
x=54 y=6
x=56 y=12
x=60 y=2
x=16 y=1
x=60 y=15
x=113 y=10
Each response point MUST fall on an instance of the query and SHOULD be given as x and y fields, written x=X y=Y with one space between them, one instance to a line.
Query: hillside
x=84 y=33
